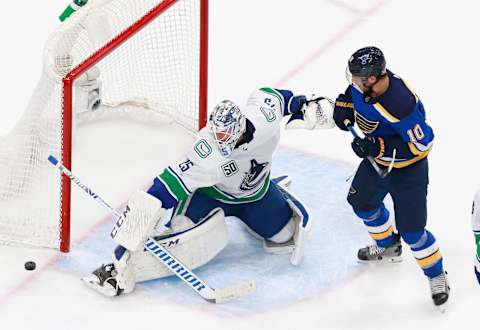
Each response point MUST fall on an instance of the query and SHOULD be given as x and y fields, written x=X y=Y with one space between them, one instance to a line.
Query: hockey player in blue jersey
x=397 y=141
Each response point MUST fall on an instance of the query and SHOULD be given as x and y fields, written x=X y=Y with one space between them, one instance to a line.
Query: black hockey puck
x=30 y=265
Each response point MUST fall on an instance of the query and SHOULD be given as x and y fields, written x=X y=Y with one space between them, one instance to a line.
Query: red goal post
x=148 y=52
x=95 y=58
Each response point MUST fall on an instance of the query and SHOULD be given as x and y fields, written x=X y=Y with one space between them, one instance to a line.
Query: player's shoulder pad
x=398 y=102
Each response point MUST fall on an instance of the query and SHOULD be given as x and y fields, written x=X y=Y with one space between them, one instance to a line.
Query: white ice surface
x=301 y=45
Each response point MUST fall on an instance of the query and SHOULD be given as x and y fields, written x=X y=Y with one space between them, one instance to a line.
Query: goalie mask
x=227 y=124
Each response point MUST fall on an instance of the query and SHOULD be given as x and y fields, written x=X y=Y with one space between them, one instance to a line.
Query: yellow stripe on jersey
x=382 y=235
x=414 y=150
x=400 y=164
x=430 y=260
x=384 y=112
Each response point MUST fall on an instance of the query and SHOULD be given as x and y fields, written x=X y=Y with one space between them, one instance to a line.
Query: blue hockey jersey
x=397 y=118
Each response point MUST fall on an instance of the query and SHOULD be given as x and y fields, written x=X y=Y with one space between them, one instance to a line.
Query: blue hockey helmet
x=366 y=62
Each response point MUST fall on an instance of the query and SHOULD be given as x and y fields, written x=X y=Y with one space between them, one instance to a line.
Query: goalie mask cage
x=152 y=60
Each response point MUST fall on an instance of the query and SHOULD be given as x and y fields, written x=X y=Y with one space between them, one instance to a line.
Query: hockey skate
x=376 y=253
x=440 y=290
x=103 y=280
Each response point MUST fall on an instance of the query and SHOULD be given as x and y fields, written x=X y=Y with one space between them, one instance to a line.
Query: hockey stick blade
x=193 y=281
x=235 y=291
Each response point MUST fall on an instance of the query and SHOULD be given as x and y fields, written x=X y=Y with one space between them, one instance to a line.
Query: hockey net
x=150 y=59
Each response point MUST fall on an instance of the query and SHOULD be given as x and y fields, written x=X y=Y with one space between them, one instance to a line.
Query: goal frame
x=67 y=102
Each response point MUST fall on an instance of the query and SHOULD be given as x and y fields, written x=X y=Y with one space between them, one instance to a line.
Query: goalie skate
x=375 y=253
x=103 y=281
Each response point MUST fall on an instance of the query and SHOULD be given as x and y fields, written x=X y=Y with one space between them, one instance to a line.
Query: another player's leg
x=476 y=232
x=365 y=196
x=408 y=188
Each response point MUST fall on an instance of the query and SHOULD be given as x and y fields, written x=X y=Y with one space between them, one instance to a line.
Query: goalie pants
x=266 y=217
x=408 y=189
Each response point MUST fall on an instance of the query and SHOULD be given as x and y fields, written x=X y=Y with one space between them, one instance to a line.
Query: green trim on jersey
x=181 y=209
x=173 y=184
x=273 y=92
x=218 y=195
x=477 y=241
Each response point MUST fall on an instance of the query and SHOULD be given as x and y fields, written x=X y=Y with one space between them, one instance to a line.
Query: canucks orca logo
x=255 y=176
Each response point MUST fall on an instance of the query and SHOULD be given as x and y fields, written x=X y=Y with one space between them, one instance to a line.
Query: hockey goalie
x=226 y=172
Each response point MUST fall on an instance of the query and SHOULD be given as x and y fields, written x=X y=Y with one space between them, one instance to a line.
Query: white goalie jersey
x=245 y=175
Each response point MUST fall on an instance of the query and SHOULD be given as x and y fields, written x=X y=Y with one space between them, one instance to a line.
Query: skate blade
x=389 y=260
x=442 y=308
x=106 y=291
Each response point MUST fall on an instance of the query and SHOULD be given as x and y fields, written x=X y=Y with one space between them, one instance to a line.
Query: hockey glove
x=316 y=113
x=368 y=147
x=343 y=110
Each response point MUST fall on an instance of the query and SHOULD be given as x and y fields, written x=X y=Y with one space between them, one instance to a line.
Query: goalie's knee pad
x=194 y=247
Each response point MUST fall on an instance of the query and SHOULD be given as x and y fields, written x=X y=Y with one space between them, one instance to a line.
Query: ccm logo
x=119 y=222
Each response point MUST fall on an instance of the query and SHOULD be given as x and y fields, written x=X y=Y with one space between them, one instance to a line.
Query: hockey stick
x=176 y=267
x=382 y=173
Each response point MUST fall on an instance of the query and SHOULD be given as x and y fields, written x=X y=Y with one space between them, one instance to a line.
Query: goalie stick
x=381 y=172
x=166 y=258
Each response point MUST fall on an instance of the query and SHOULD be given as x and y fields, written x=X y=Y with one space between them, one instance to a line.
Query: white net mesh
x=153 y=74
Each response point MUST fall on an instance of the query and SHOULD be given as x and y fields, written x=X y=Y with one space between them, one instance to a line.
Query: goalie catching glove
x=316 y=113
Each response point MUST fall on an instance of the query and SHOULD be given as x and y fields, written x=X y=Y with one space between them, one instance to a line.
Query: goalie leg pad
x=301 y=226
x=138 y=220
x=194 y=246
x=285 y=234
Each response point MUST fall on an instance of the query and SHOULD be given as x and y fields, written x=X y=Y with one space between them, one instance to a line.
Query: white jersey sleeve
x=264 y=110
